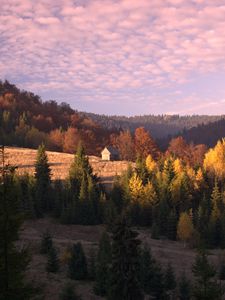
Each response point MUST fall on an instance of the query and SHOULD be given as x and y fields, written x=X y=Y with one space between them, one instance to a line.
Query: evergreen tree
x=13 y=262
x=110 y=214
x=77 y=265
x=58 y=201
x=151 y=276
x=222 y=271
x=53 y=261
x=204 y=212
x=25 y=191
x=216 y=230
x=69 y=293
x=124 y=283
x=184 y=288
x=117 y=196
x=83 y=191
x=155 y=232
x=169 y=279
x=46 y=243
x=92 y=265
x=43 y=182
x=172 y=226
x=141 y=169
x=102 y=266
x=205 y=286
x=163 y=213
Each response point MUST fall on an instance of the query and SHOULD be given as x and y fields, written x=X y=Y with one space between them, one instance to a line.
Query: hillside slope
x=60 y=163
x=160 y=126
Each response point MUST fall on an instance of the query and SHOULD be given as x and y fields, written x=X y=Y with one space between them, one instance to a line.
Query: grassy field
x=25 y=159
x=65 y=235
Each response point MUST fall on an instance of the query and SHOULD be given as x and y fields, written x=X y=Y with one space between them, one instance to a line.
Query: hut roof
x=111 y=150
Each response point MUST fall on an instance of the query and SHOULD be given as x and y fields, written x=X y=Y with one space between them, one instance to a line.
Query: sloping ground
x=60 y=163
x=65 y=235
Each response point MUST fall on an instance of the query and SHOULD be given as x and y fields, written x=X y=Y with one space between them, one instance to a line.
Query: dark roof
x=112 y=150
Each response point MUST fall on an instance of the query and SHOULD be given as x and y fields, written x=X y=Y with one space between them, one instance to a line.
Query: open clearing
x=25 y=158
x=65 y=235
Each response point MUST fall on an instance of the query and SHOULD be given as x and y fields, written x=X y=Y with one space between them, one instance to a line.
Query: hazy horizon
x=118 y=57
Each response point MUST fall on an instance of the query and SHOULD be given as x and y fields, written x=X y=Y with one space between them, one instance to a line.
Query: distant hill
x=27 y=121
x=160 y=126
x=207 y=134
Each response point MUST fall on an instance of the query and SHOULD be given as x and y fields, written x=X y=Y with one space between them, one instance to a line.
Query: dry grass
x=65 y=235
x=60 y=163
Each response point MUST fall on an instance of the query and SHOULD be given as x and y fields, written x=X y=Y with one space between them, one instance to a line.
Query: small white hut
x=110 y=153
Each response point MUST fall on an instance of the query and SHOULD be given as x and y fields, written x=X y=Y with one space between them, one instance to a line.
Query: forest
x=27 y=121
x=160 y=126
x=177 y=194
x=174 y=194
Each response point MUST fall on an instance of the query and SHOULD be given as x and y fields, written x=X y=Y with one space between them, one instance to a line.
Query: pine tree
x=205 y=286
x=170 y=279
x=13 y=262
x=77 y=265
x=163 y=213
x=155 y=232
x=222 y=271
x=92 y=265
x=204 y=212
x=172 y=226
x=83 y=190
x=52 y=261
x=216 y=217
x=46 y=243
x=117 y=196
x=102 y=265
x=151 y=276
x=184 y=288
x=141 y=169
x=69 y=293
x=124 y=283
x=43 y=182
x=110 y=214
x=58 y=201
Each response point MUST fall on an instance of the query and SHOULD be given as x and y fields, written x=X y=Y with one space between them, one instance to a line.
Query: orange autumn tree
x=125 y=144
x=144 y=144
x=71 y=140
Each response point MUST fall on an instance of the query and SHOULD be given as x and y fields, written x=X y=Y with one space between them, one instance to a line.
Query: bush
x=69 y=293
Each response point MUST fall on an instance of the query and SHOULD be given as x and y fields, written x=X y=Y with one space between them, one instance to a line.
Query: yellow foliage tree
x=214 y=162
x=199 y=180
x=136 y=188
x=149 y=194
x=151 y=165
x=178 y=166
x=185 y=228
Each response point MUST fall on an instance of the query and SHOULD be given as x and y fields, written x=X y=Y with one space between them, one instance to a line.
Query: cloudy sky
x=117 y=56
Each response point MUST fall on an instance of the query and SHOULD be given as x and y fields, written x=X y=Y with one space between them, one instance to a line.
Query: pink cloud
x=112 y=44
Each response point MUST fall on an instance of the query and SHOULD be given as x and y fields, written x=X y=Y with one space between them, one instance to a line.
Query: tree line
x=179 y=195
x=27 y=121
x=175 y=199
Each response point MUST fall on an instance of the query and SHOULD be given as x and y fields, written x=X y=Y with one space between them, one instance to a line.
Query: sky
x=123 y=57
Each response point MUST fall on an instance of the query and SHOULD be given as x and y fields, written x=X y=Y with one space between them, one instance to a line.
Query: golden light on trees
x=214 y=162
x=185 y=227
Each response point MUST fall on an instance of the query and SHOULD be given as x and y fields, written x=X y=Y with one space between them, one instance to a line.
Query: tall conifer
x=124 y=283
x=43 y=182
